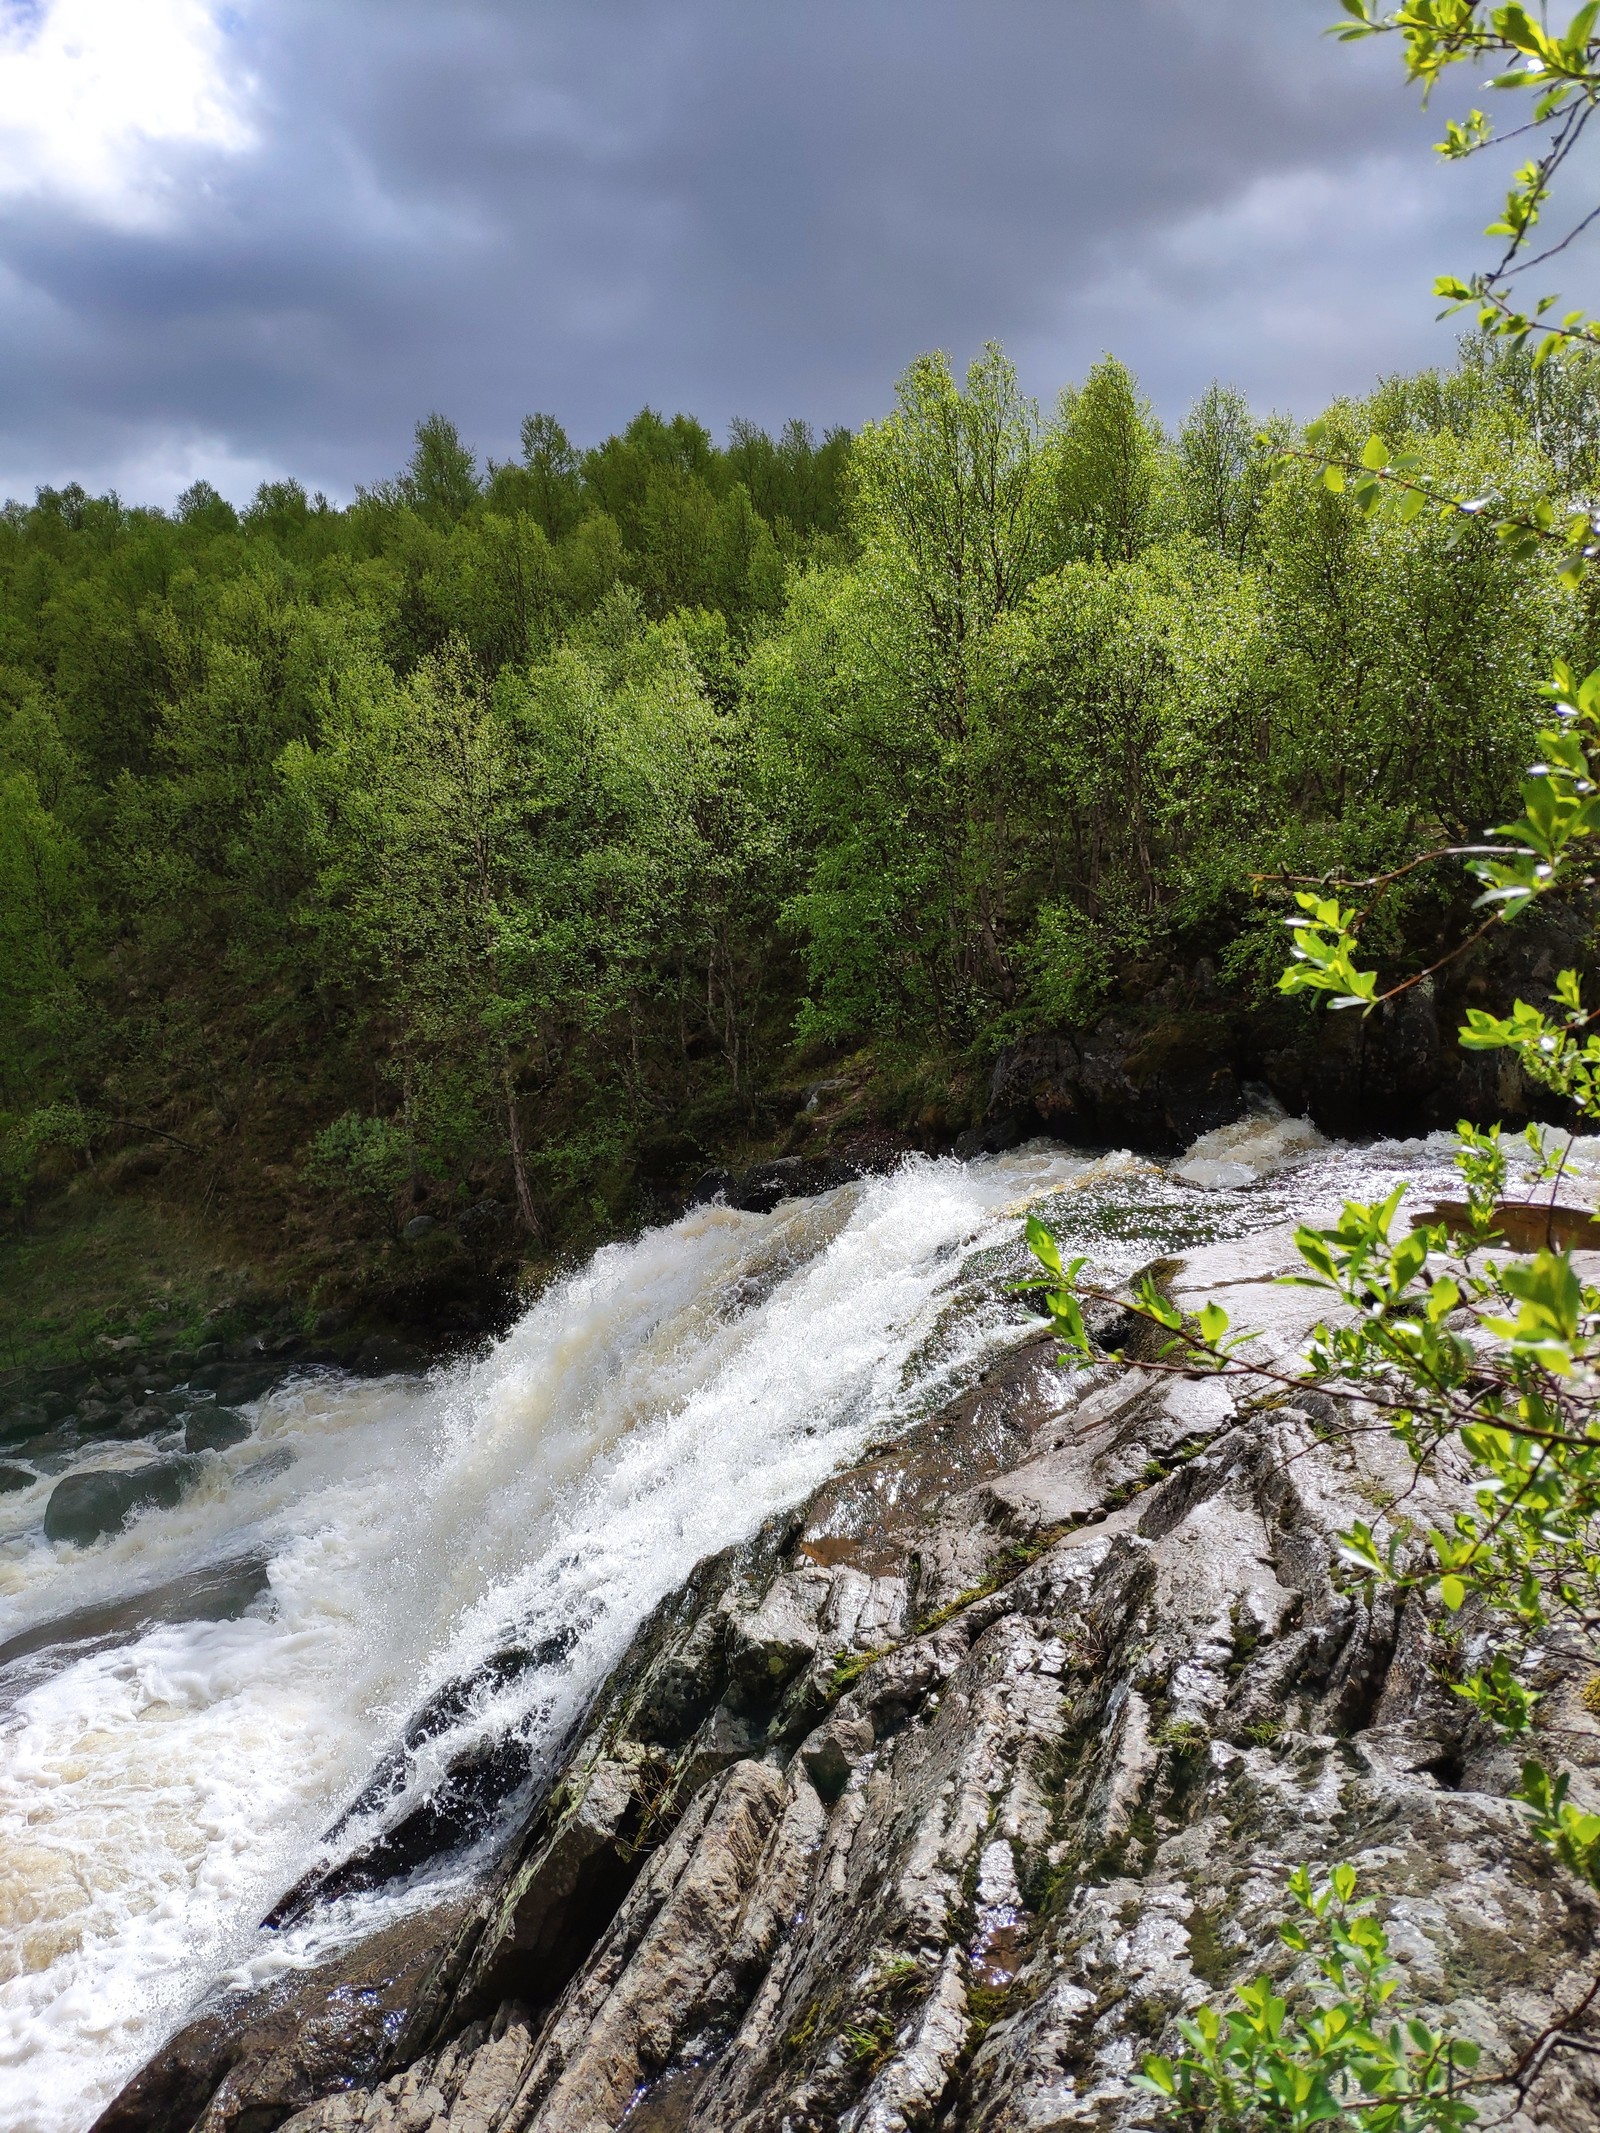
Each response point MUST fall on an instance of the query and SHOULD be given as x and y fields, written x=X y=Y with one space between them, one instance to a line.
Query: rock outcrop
x=1179 y=1054
x=934 y=1805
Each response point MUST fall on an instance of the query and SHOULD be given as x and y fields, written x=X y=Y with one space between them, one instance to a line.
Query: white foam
x=155 y=1799
x=1257 y=1147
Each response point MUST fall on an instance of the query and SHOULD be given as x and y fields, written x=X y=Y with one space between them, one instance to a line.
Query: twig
x=137 y=1125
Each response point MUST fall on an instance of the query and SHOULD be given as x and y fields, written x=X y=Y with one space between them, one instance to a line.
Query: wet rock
x=85 y=1507
x=384 y=1353
x=1154 y=1084
x=764 y=1186
x=24 y=1418
x=244 y=2070
x=213 y=1429
x=218 y=1593
x=1176 y=1058
x=141 y=1421
x=770 y=1645
x=994 y=1137
x=790 y=1177
x=13 y=1478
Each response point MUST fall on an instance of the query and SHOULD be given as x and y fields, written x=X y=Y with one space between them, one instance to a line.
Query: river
x=163 y=1781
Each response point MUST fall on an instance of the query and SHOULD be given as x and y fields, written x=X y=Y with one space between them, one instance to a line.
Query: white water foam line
x=158 y=1796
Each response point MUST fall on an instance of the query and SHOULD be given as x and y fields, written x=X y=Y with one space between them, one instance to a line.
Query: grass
x=94 y=1266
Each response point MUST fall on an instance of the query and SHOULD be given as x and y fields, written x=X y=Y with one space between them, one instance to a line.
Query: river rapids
x=164 y=1779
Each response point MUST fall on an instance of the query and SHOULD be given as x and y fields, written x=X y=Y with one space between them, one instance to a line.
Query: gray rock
x=483 y=1222
x=213 y=1429
x=13 y=1478
x=418 y=1227
x=23 y=1420
x=84 y=1507
x=936 y=1806
x=770 y=1645
x=143 y=1420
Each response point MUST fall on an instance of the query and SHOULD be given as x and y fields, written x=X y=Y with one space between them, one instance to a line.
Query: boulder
x=13 y=1478
x=213 y=1429
x=483 y=1224
x=418 y=1227
x=23 y=1420
x=84 y=1507
x=384 y=1354
x=141 y=1421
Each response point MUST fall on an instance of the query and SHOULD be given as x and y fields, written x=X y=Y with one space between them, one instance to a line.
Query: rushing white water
x=158 y=1793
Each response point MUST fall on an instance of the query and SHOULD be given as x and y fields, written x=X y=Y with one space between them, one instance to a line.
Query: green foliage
x=1452 y=1343
x=370 y=1158
x=1277 y=2063
x=540 y=806
x=1109 y=465
x=427 y=810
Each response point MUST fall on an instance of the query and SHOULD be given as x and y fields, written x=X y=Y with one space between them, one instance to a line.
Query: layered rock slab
x=936 y=1804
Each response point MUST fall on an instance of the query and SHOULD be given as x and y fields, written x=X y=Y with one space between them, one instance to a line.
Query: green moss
x=850 y=1670
x=805 y=2029
x=985 y=2005
x=1208 y=1958
x=1184 y=1736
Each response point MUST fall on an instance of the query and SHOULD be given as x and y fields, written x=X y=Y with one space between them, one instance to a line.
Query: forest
x=516 y=840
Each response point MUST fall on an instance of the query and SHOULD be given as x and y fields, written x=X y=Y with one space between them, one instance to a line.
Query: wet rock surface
x=936 y=1803
x=217 y=1593
x=759 y=1188
x=213 y=1429
x=85 y=1507
x=133 y=1391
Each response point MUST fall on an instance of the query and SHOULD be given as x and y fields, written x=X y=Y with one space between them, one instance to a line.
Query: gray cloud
x=737 y=208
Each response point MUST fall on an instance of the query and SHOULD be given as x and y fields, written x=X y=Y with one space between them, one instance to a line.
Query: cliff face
x=1178 y=1052
x=934 y=1805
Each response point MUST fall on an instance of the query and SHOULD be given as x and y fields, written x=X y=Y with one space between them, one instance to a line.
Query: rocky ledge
x=1179 y=1053
x=934 y=1804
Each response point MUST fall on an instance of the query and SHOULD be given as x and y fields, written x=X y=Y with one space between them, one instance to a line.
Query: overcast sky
x=265 y=237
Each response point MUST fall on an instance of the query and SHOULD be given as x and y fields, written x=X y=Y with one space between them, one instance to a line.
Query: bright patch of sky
x=96 y=94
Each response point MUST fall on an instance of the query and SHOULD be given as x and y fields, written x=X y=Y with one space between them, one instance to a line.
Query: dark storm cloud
x=755 y=207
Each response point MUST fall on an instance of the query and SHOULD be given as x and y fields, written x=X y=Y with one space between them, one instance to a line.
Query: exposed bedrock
x=935 y=1804
x=1180 y=1054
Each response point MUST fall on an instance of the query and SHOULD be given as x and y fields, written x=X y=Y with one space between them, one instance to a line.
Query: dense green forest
x=509 y=837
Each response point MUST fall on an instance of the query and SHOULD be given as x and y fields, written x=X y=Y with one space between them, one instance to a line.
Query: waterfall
x=197 y=1712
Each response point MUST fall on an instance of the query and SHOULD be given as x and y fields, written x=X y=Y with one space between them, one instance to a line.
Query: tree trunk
x=519 y=1168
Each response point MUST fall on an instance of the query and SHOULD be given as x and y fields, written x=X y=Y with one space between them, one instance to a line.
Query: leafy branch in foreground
x=1431 y=1334
x=1559 y=69
x=1437 y=1337
x=1294 y=2061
